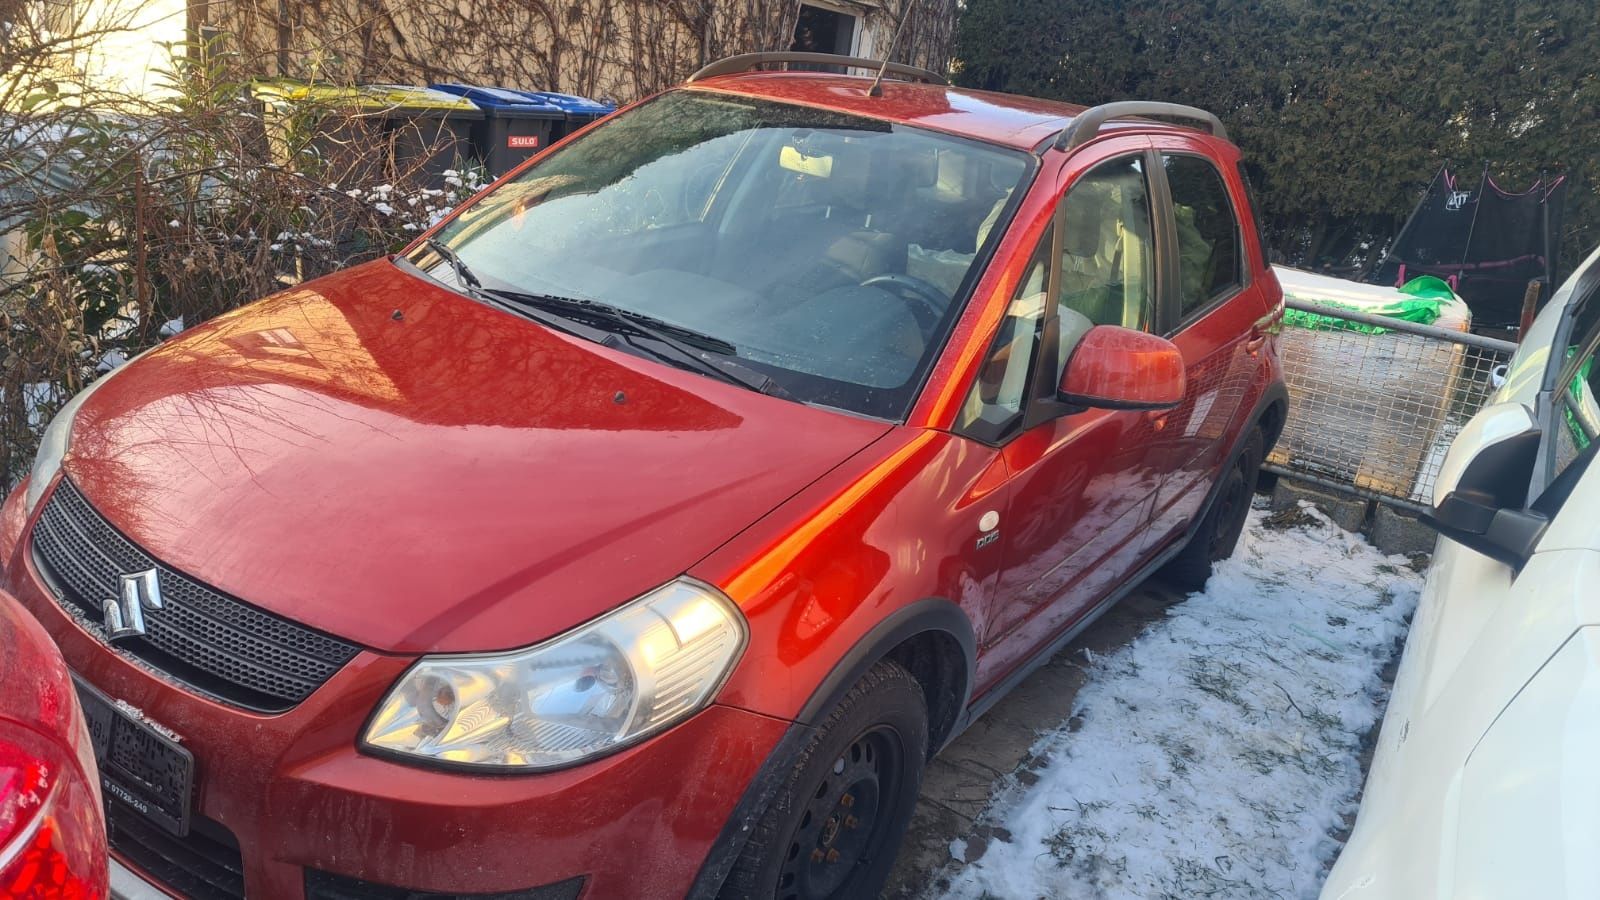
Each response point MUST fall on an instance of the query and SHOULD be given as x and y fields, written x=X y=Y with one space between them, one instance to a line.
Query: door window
x=1576 y=425
x=1572 y=430
x=1107 y=271
x=1001 y=389
x=1107 y=253
x=1208 y=232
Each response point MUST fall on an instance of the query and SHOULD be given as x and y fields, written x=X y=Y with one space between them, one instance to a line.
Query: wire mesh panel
x=1374 y=403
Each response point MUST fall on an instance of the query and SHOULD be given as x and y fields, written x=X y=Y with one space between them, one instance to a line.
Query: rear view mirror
x=792 y=159
x=1119 y=368
x=1482 y=493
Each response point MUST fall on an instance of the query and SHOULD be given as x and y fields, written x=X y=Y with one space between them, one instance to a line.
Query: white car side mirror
x=1492 y=425
x=1482 y=493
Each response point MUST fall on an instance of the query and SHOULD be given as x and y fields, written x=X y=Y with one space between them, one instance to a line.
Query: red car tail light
x=52 y=845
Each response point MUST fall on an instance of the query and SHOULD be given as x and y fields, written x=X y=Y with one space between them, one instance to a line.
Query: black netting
x=1488 y=242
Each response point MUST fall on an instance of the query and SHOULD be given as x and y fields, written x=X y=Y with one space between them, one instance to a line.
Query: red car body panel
x=256 y=447
x=372 y=455
x=1008 y=119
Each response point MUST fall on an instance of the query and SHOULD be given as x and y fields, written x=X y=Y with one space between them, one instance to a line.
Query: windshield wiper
x=463 y=274
x=686 y=344
x=468 y=283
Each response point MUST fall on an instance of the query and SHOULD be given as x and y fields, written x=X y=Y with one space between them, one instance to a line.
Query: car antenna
x=877 y=83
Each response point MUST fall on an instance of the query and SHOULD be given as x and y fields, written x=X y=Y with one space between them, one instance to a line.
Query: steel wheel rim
x=845 y=822
x=1231 y=508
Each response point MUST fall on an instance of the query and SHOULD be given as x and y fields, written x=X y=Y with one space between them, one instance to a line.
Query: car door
x=1214 y=317
x=1080 y=486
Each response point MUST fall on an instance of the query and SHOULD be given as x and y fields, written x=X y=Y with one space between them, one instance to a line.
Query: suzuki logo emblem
x=124 y=614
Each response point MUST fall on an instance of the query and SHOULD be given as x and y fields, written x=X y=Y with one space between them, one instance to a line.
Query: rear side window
x=1208 y=232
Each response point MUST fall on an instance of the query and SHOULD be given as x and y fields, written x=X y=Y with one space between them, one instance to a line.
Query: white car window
x=1574 y=426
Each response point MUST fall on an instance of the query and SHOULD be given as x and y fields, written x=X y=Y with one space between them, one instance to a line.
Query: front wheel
x=833 y=830
x=1219 y=531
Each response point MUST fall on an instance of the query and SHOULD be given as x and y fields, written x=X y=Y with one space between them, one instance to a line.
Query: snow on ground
x=1217 y=754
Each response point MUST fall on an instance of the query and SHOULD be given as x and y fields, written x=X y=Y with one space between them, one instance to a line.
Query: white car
x=1486 y=778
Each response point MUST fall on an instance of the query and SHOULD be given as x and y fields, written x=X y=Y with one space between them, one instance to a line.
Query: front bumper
x=126 y=884
x=296 y=795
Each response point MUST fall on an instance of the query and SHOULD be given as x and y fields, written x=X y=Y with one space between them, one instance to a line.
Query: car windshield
x=828 y=253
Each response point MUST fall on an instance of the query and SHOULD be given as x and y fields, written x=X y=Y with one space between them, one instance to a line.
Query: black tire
x=1219 y=531
x=834 y=827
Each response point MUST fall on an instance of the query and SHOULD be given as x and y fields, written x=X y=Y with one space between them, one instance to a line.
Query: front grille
x=207 y=640
x=204 y=864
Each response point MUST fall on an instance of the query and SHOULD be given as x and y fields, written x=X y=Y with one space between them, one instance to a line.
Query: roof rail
x=1087 y=124
x=745 y=62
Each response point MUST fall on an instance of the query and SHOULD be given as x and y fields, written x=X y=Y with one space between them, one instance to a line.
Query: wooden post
x=1530 y=306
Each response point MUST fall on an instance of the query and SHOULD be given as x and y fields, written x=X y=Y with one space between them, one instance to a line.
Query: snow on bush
x=1218 y=754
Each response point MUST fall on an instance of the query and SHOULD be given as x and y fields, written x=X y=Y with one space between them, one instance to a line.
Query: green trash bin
x=367 y=134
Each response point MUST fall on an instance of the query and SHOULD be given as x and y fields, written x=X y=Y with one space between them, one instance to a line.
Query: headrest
x=866 y=253
x=1091 y=205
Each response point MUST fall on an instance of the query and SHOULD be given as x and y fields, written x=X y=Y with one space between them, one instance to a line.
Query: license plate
x=139 y=766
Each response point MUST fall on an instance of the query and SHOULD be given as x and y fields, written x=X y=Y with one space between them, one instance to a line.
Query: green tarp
x=1427 y=292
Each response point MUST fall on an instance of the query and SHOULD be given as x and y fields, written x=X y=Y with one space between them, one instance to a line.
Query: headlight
x=595 y=689
x=53 y=445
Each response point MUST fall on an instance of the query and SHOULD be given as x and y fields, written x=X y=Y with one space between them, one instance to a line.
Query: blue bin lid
x=572 y=105
x=504 y=102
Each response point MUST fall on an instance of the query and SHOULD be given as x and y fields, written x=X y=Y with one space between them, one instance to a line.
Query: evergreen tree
x=1344 y=110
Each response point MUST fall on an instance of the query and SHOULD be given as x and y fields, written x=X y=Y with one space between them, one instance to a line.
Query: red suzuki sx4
x=643 y=529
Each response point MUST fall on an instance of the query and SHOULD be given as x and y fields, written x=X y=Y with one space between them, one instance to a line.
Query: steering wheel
x=931 y=302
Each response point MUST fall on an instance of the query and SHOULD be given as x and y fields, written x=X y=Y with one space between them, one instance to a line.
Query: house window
x=822 y=30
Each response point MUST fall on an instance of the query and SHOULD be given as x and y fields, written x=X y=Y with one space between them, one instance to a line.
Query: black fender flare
x=1276 y=394
x=929 y=614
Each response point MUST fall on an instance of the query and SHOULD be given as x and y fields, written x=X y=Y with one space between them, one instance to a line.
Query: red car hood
x=383 y=459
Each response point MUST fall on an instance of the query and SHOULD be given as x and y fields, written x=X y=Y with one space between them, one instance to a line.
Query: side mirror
x=1482 y=492
x=1119 y=368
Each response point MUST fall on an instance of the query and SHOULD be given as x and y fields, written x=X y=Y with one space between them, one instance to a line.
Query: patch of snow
x=1219 y=752
x=958 y=850
x=42 y=399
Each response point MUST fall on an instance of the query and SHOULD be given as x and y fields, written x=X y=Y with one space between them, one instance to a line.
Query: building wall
x=618 y=50
x=121 y=45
